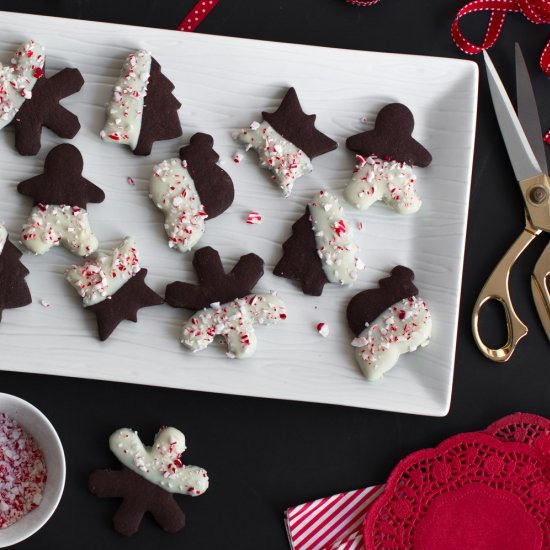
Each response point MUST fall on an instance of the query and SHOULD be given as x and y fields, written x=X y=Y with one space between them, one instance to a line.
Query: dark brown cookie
x=138 y=497
x=366 y=306
x=213 y=184
x=14 y=291
x=160 y=118
x=43 y=109
x=391 y=138
x=295 y=126
x=62 y=181
x=124 y=304
x=300 y=260
x=215 y=285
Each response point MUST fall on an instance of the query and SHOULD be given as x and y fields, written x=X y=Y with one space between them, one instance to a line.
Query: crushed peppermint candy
x=360 y=226
x=386 y=180
x=18 y=79
x=23 y=472
x=334 y=239
x=161 y=463
x=131 y=181
x=286 y=161
x=99 y=279
x=323 y=330
x=254 y=218
x=45 y=304
x=237 y=157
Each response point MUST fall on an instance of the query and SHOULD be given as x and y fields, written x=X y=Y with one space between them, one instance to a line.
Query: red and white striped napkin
x=331 y=523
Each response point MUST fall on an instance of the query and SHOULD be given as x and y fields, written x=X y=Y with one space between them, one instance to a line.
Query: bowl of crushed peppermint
x=32 y=469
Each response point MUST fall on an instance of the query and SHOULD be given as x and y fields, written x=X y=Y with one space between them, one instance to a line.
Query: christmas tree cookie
x=14 y=291
x=113 y=287
x=385 y=158
x=142 y=109
x=388 y=322
x=29 y=100
x=321 y=248
x=226 y=305
x=148 y=480
x=286 y=141
x=61 y=196
x=190 y=190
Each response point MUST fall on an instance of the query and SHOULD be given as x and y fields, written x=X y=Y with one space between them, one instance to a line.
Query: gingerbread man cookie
x=385 y=157
x=148 y=480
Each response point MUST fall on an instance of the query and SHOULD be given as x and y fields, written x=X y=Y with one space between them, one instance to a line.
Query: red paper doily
x=524 y=428
x=472 y=491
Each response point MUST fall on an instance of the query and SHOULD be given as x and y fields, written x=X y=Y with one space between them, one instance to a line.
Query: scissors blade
x=521 y=155
x=528 y=113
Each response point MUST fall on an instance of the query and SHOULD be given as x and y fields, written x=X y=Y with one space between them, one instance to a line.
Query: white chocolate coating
x=173 y=191
x=283 y=158
x=125 y=110
x=159 y=464
x=379 y=180
x=402 y=328
x=334 y=239
x=99 y=279
x=18 y=79
x=52 y=225
x=234 y=321
x=3 y=237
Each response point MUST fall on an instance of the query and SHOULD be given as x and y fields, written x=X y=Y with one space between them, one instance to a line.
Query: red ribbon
x=536 y=11
x=363 y=2
x=197 y=15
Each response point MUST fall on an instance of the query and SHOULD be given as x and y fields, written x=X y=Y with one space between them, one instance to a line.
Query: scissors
x=523 y=138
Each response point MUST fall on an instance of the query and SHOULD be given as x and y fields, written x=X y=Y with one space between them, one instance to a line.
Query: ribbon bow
x=536 y=11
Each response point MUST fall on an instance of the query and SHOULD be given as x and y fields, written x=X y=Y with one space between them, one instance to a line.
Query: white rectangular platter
x=224 y=84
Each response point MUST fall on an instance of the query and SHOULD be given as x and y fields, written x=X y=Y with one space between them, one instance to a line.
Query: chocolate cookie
x=14 y=291
x=388 y=322
x=29 y=100
x=215 y=285
x=113 y=287
x=286 y=141
x=366 y=306
x=384 y=162
x=134 y=120
x=225 y=305
x=391 y=138
x=321 y=248
x=148 y=480
x=61 y=196
x=190 y=190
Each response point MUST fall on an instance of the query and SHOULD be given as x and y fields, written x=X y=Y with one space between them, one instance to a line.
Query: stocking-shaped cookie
x=143 y=109
x=385 y=157
x=321 y=249
x=286 y=141
x=388 y=321
x=113 y=287
x=190 y=190
x=149 y=479
x=14 y=291
x=61 y=195
x=226 y=306
x=29 y=100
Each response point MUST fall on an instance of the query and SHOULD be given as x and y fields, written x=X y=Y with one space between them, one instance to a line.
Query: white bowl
x=37 y=425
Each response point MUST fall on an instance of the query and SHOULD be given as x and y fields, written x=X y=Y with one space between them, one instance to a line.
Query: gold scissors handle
x=496 y=288
x=540 y=290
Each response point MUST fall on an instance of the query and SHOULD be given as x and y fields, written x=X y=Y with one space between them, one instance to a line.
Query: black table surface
x=265 y=455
